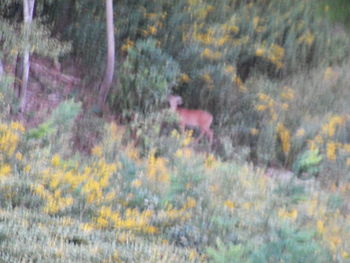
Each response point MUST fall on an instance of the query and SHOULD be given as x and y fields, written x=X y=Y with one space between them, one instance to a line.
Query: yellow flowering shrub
x=60 y=184
x=284 y=136
x=290 y=215
x=10 y=135
x=210 y=54
x=131 y=220
x=328 y=140
x=5 y=170
x=158 y=175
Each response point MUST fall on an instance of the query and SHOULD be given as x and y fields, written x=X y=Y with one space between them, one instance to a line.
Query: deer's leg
x=210 y=135
x=200 y=135
x=182 y=127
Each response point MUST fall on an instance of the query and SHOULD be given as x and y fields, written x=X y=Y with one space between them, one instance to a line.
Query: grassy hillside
x=76 y=187
x=120 y=206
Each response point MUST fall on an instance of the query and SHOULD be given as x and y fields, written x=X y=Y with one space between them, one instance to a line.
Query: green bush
x=308 y=164
x=289 y=245
x=224 y=254
x=55 y=131
x=145 y=79
x=8 y=99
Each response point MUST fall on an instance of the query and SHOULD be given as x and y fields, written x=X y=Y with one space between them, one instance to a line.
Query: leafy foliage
x=290 y=246
x=232 y=253
x=146 y=78
x=308 y=163
x=55 y=131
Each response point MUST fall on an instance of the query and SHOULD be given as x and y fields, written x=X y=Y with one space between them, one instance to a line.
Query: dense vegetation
x=77 y=187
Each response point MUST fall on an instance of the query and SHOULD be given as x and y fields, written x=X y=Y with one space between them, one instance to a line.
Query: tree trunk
x=108 y=77
x=1 y=69
x=28 y=8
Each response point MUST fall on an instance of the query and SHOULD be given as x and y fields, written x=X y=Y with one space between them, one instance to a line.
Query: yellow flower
x=233 y=28
x=207 y=78
x=334 y=242
x=55 y=161
x=320 y=226
x=345 y=254
x=152 y=30
x=229 y=69
x=127 y=45
x=293 y=214
x=214 y=188
x=17 y=126
x=256 y=20
x=332 y=124
x=5 y=170
x=116 y=257
x=188 y=138
x=284 y=136
x=237 y=80
x=144 y=32
x=151 y=16
x=136 y=183
x=175 y=134
x=27 y=168
x=157 y=171
x=193 y=255
x=86 y=227
x=277 y=51
x=346 y=147
x=125 y=237
x=307 y=38
x=165 y=242
x=191 y=203
x=254 y=131
x=229 y=204
x=222 y=41
x=259 y=52
x=331 y=151
x=300 y=132
x=287 y=93
x=132 y=152
x=210 y=161
x=185 y=78
x=210 y=54
x=19 y=156
x=184 y=153
x=274 y=116
x=97 y=151
x=247 y=205
x=110 y=196
x=263 y=97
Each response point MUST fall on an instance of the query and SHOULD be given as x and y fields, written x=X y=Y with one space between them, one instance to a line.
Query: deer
x=194 y=118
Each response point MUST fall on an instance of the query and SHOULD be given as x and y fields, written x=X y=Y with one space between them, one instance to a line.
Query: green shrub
x=225 y=254
x=308 y=164
x=8 y=99
x=145 y=78
x=55 y=131
x=290 y=245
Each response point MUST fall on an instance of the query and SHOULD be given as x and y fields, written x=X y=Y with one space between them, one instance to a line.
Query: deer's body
x=193 y=118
